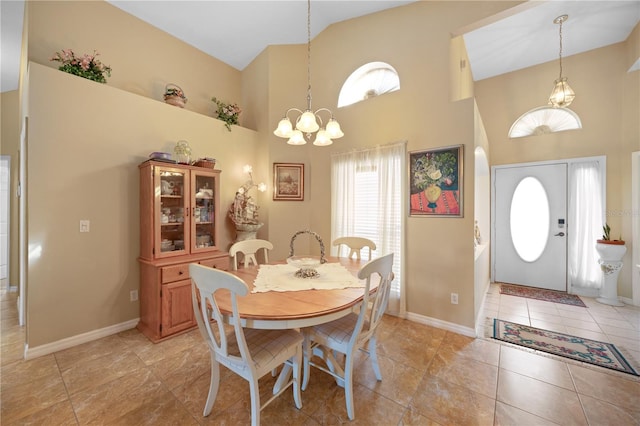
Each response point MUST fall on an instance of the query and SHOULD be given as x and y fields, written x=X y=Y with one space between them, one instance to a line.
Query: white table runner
x=282 y=278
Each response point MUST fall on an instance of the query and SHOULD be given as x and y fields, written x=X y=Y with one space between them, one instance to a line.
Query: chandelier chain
x=309 y=122
x=560 y=54
x=309 y=55
x=560 y=20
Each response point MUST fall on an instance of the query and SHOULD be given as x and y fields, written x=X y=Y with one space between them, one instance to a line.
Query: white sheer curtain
x=367 y=200
x=585 y=223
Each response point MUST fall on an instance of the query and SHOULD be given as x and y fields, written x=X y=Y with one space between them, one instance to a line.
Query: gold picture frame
x=436 y=182
x=288 y=181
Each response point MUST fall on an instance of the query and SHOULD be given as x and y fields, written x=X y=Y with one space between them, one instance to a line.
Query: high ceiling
x=526 y=35
x=237 y=31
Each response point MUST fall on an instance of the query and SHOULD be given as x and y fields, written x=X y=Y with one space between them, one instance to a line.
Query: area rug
x=577 y=348
x=541 y=294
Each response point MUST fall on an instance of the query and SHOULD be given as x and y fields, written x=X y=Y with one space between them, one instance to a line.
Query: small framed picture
x=288 y=181
x=435 y=179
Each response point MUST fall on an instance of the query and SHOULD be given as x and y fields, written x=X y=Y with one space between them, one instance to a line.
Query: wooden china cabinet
x=179 y=224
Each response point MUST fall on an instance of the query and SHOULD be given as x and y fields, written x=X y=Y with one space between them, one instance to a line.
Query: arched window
x=543 y=120
x=372 y=79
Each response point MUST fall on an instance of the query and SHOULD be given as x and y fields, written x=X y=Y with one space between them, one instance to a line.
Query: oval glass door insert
x=529 y=219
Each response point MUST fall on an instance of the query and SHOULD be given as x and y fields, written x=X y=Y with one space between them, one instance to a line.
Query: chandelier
x=307 y=121
x=562 y=94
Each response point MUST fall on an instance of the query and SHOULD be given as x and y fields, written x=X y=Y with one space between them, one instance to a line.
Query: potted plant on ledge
x=611 y=253
x=85 y=66
x=606 y=237
x=228 y=113
x=173 y=95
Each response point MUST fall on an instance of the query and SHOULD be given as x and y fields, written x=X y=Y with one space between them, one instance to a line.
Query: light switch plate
x=84 y=226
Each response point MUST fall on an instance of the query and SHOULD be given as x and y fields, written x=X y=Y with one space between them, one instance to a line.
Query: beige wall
x=104 y=131
x=144 y=59
x=608 y=104
x=10 y=146
x=83 y=159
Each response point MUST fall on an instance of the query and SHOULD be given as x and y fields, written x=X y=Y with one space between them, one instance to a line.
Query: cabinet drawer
x=175 y=273
x=217 y=263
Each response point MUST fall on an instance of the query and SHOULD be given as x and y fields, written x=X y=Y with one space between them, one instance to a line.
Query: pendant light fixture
x=307 y=122
x=562 y=94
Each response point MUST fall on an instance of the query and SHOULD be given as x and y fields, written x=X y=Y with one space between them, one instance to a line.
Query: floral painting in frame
x=435 y=179
x=288 y=181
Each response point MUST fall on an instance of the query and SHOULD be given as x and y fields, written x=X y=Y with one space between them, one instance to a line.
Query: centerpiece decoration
x=173 y=95
x=85 y=66
x=244 y=210
x=307 y=265
x=227 y=112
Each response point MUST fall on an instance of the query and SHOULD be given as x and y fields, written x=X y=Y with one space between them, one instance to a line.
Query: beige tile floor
x=431 y=377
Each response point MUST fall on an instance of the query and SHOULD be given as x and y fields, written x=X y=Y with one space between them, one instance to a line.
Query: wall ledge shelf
x=125 y=92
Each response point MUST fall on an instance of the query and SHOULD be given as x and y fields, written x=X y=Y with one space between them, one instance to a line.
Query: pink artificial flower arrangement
x=227 y=112
x=86 y=66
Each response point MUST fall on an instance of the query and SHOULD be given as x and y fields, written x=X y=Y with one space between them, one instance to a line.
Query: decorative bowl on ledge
x=173 y=95
x=307 y=266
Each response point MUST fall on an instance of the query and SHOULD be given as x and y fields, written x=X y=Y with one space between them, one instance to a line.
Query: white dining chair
x=355 y=245
x=250 y=353
x=349 y=334
x=249 y=248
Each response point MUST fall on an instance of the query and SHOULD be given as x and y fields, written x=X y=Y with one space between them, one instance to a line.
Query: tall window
x=367 y=190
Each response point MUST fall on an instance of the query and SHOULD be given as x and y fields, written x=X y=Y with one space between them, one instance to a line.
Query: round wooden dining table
x=292 y=309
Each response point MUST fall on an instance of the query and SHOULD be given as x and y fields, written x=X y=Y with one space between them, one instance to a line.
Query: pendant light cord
x=560 y=32
x=309 y=54
x=559 y=20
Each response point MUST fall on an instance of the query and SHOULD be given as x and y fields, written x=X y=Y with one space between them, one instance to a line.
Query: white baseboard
x=49 y=348
x=449 y=326
x=480 y=321
x=595 y=292
x=586 y=292
x=626 y=301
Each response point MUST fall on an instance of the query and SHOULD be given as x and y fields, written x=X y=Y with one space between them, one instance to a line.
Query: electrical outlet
x=84 y=226
x=454 y=298
x=133 y=295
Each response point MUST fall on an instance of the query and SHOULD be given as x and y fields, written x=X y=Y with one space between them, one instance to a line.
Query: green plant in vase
x=606 y=236
x=85 y=66
x=227 y=112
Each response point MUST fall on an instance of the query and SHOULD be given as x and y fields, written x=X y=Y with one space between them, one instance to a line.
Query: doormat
x=541 y=294
x=564 y=345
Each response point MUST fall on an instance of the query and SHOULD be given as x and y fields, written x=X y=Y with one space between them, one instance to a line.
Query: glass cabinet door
x=203 y=224
x=172 y=212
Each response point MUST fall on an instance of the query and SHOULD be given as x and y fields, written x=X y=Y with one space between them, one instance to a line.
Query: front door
x=530 y=244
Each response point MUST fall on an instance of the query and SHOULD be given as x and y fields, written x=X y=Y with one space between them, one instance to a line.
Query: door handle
x=559 y=234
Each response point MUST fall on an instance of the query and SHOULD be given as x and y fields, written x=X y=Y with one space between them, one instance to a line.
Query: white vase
x=611 y=264
x=247 y=231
